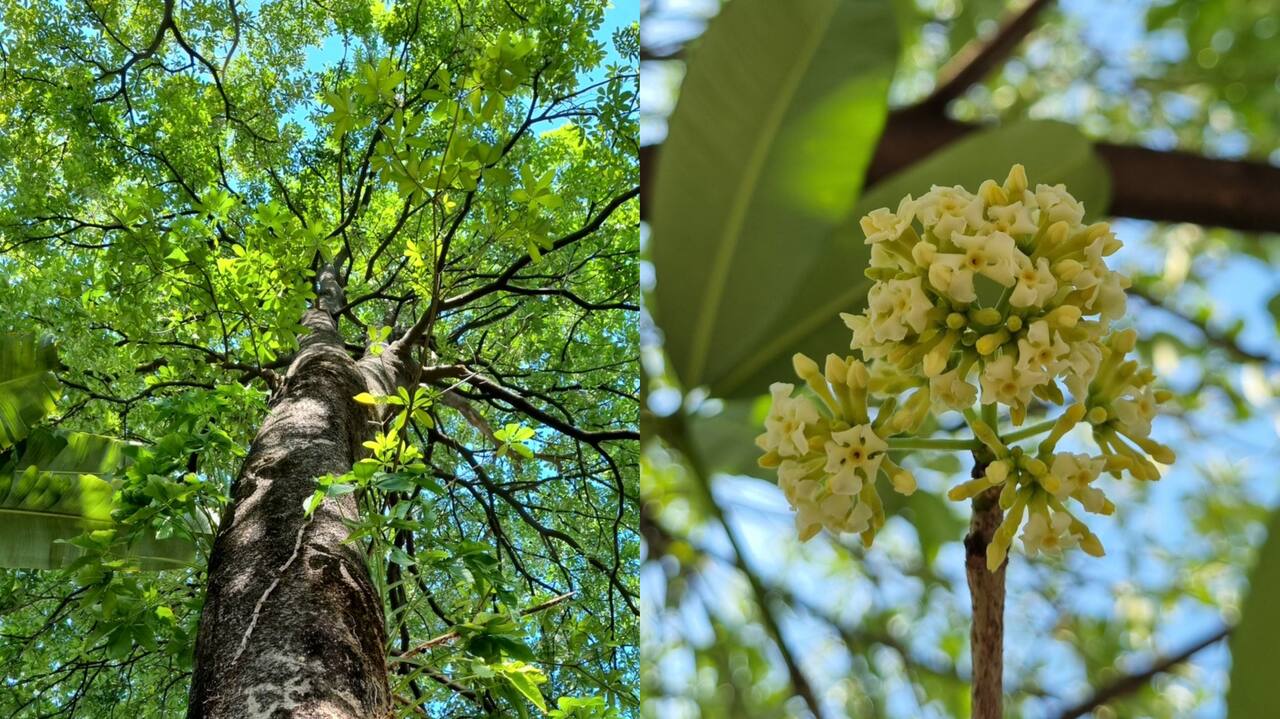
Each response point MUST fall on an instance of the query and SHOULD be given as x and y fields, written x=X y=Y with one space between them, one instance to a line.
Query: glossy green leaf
x=50 y=492
x=28 y=389
x=1254 y=641
x=778 y=117
x=1052 y=153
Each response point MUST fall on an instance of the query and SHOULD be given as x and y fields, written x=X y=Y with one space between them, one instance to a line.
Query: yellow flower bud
x=996 y=554
x=988 y=344
x=997 y=472
x=955 y=321
x=1097 y=415
x=1064 y=316
x=1125 y=340
x=1092 y=545
x=1013 y=324
x=967 y=490
x=1033 y=465
x=858 y=375
x=1016 y=183
x=1057 y=233
x=805 y=367
x=989 y=316
x=1067 y=270
x=836 y=370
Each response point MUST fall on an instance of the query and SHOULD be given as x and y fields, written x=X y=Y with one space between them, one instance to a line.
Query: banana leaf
x=28 y=389
x=51 y=491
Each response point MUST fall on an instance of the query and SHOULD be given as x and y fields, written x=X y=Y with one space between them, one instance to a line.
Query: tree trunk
x=292 y=625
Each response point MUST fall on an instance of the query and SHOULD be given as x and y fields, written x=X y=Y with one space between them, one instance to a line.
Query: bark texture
x=986 y=590
x=292 y=625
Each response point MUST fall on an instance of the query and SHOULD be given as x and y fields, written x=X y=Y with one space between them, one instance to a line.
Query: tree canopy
x=175 y=176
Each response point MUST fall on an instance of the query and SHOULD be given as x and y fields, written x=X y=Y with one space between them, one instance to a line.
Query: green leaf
x=50 y=493
x=310 y=503
x=726 y=441
x=1052 y=153
x=525 y=679
x=395 y=483
x=1253 y=643
x=765 y=155
x=401 y=557
x=28 y=389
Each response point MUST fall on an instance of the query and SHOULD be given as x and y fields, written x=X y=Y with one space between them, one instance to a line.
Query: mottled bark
x=292 y=625
x=986 y=591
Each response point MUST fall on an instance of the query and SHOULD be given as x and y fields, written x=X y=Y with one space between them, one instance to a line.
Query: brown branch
x=978 y=58
x=1164 y=186
x=986 y=591
x=1129 y=684
x=515 y=398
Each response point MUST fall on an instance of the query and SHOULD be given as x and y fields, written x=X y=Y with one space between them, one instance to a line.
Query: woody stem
x=986 y=590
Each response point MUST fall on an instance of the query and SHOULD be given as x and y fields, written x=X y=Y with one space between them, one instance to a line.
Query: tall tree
x=395 y=247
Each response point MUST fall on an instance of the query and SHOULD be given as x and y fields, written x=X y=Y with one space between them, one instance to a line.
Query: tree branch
x=1218 y=339
x=1133 y=682
x=978 y=58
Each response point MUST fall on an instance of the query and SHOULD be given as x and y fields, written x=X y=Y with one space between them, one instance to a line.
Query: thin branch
x=1129 y=684
x=1214 y=337
x=675 y=435
x=978 y=58
x=450 y=636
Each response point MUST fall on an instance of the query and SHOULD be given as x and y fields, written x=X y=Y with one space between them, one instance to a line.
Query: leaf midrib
x=738 y=211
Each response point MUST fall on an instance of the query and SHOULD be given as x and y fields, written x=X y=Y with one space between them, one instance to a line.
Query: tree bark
x=986 y=591
x=292 y=625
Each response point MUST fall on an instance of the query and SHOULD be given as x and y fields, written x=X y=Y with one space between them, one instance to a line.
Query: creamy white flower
x=898 y=306
x=884 y=226
x=1047 y=535
x=947 y=210
x=1075 y=471
x=1036 y=284
x=948 y=391
x=1058 y=204
x=1108 y=296
x=808 y=520
x=883 y=258
x=850 y=453
x=994 y=255
x=861 y=326
x=799 y=480
x=951 y=276
x=1004 y=383
x=1042 y=348
x=1135 y=413
x=858 y=520
x=1012 y=219
x=784 y=427
x=1082 y=363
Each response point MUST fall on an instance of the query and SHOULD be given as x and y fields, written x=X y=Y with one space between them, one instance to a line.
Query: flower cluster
x=1002 y=297
x=828 y=461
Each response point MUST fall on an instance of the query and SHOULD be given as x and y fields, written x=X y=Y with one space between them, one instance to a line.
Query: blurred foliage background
x=741 y=620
